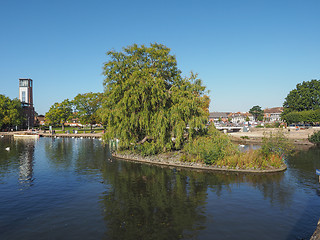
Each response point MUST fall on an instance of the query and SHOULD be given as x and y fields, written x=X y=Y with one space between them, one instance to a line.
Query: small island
x=158 y=116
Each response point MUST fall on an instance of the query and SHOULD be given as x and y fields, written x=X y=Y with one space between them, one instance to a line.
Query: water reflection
x=144 y=202
x=303 y=167
x=20 y=159
x=26 y=161
x=137 y=201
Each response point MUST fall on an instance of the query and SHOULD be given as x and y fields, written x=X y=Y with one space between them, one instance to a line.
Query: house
x=240 y=117
x=40 y=120
x=273 y=114
x=218 y=116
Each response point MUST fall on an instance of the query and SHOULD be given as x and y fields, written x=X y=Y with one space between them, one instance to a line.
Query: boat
x=27 y=135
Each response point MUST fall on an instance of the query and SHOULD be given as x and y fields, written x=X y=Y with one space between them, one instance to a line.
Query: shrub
x=244 y=137
x=315 y=138
x=276 y=143
x=212 y=147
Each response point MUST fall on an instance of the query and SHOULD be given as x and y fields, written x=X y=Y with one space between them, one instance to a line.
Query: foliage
x=87 y=106
x=315 y=138
x=306 y=96
x=59 y=113
x=252 y=159
x=244 y=137
x=10 y=112
x=272 y=125
x=212 y=147
x=216 y=149
x=308 y=116
x=147 y=104
x=257 y=112
x=276 y=143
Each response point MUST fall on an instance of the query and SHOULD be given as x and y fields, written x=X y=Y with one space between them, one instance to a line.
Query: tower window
x=23 y=96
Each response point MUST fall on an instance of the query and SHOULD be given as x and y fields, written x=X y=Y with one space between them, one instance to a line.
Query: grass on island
x=216 y=149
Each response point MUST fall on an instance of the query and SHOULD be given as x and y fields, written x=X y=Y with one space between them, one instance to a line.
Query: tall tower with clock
x=26 y=98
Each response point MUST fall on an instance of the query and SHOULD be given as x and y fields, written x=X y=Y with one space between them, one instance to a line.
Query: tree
x=87 y=106
x=147 y=104
x=257 y=112
x=306 y=96
x=10 y=112
x=59 y=113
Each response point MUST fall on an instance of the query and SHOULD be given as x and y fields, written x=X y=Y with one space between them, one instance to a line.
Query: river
x=73 y=189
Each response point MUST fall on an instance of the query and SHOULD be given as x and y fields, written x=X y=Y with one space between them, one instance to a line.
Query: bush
x=315 y=138
x=211 y=148
x=276 y=143
x=217 y=149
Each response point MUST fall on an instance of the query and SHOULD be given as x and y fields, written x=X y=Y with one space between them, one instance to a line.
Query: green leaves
x=146 y=98
x=257 y=112
x=10 y=112
x=303 y=103
x=59 y=113
x=306 y=96
x=86 y=106
x=315 y=138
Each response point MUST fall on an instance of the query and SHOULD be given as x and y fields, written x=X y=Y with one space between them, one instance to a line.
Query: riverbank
x=316 y=234
x=172 y=159
x=255 y=135
x=62 y=135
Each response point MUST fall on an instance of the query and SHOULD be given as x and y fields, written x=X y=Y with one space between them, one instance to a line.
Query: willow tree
x=147 y=104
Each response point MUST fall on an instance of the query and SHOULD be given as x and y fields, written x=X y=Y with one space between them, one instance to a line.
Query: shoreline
x=255 y=135
x=171 y=161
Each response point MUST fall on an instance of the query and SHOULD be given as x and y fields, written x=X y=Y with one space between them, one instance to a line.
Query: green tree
x=147 y=104
x=257 y=112
x=10 y=112
x=87 y=106
x=59 y=113
x=306 y=96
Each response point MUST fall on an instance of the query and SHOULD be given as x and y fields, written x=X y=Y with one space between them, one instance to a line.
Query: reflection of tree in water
x=146 y=202
x=272 y=186
x=91 y=155
x=302 y=166
x=60 y=152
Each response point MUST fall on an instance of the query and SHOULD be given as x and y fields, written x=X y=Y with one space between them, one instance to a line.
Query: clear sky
x=247 y=52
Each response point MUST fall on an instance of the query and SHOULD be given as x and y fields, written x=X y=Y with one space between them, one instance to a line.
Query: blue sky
x=250 y=52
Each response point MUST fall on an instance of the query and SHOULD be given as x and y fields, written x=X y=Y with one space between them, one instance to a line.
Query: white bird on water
x=8 y=148
x=240 y=145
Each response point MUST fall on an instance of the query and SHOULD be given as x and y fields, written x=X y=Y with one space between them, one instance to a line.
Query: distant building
x=273 y=114
x=240 y=117
x=218 y=116
x=26 y=98
x=40 y=120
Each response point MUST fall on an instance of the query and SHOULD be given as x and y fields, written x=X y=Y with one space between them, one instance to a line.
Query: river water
x=72 y=189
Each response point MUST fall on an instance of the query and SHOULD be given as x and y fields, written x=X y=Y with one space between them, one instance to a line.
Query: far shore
x=255 y=135
x=68 y=135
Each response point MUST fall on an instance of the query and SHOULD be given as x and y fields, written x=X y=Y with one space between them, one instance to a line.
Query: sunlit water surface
x=72 y=189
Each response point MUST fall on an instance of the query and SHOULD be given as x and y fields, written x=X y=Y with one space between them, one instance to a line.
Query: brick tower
x=26 y=98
